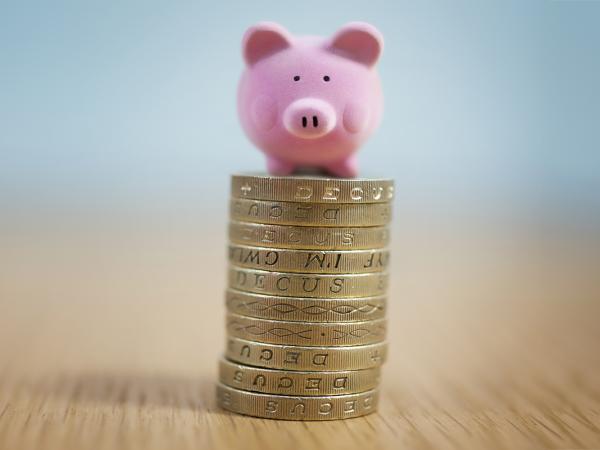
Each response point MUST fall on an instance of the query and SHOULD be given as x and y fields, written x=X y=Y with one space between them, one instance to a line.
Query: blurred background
x=118 y=133
x=492 y=108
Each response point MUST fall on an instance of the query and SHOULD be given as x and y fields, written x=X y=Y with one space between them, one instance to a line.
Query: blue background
x=490 y=106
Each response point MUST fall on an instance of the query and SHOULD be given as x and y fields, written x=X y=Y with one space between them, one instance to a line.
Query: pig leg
x=346 y=168
x=277 y=166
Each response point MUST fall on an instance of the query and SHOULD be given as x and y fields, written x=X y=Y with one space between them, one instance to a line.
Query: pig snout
x=309 y=118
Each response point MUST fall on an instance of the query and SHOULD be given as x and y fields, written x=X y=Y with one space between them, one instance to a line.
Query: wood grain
x=110 y=336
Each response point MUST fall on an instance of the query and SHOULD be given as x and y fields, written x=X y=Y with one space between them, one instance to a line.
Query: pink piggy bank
x=309 y=101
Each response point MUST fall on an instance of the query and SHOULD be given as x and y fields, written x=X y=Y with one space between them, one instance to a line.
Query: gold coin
x=297 y=309
x=312 y=189
x=307 y=334
x=318 y=359
x=308 y=238
x=308 y=285
x=287 y=382
x=319 y=214
x=309 y=261
x=285 y=407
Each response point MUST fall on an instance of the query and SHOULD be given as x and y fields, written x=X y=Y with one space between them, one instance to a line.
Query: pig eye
x=326 y=78
x=297 y=78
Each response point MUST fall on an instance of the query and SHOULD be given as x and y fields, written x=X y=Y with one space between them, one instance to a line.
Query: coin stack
x=306 y=296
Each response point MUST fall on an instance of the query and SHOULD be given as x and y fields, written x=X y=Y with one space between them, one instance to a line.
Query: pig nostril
x=304 y=122
x=315 y=122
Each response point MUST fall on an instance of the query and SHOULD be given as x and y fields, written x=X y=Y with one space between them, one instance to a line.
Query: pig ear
x=358 y=41
x=264 y=39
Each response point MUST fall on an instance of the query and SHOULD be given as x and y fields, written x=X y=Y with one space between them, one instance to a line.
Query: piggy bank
x=307 y=101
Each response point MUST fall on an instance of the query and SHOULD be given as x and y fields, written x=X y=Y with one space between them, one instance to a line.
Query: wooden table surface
x=109 y=338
